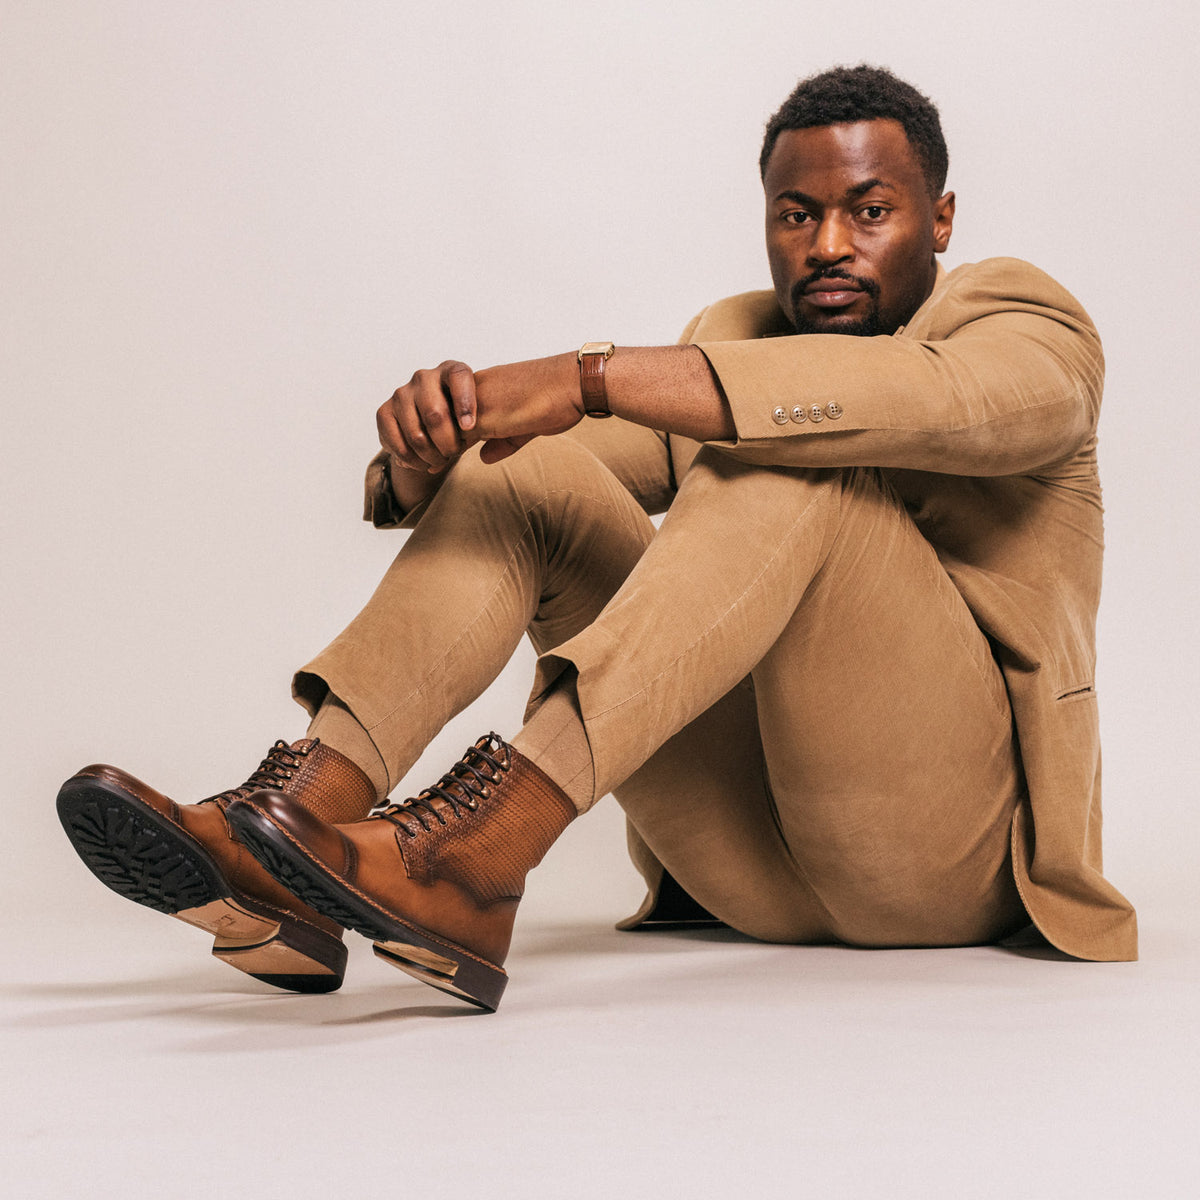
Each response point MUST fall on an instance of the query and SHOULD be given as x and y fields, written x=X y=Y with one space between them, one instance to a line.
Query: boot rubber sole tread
x=145 y=857
x=137 y=856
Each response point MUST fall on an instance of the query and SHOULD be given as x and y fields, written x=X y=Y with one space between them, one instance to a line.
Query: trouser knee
x=528 y=480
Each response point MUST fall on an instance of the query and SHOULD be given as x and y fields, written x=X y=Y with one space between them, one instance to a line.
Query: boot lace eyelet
x=461 y=788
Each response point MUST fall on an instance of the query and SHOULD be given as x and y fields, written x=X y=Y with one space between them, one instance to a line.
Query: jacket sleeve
x=999 y=373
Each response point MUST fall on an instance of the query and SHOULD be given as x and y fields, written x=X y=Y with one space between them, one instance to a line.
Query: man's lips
x=830 y=293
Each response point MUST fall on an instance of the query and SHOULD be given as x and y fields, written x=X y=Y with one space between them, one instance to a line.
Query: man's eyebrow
x=798 y=197
x=859 y=189
x=869 y=185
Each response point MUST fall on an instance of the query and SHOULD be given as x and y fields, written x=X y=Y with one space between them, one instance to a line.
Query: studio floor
x=620 y=1065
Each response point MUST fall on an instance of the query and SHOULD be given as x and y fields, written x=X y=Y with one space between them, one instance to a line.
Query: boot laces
x=461 y=788
x=275 y=771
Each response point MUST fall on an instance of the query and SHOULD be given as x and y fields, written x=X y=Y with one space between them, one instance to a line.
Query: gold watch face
x=605 y=348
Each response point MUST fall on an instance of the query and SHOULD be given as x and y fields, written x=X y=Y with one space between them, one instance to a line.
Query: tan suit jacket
x=983 y=410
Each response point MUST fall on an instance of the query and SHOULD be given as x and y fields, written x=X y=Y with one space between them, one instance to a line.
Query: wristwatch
x=592 y=357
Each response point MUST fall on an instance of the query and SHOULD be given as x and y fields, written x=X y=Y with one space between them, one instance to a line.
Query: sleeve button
x=779 y=416
x=799 y=415
x=817 y=413
x=833 y=410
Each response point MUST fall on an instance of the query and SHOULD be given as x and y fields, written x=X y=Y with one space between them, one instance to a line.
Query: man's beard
x=868 y=325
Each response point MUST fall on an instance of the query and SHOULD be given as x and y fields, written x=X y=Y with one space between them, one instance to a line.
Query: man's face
x=851 y=227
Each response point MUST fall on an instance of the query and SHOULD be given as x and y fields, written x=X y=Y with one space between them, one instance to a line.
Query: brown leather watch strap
x=592 y=357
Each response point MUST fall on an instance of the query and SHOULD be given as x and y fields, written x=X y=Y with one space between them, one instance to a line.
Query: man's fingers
x=416 y=426
x=436 y=426
x=392 y=440
x=416 y=438
x=458 y=380
x=402 y=433
x=445 y=403
x=426 y=423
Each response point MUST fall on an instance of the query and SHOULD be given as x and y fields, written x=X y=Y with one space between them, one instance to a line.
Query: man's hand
x=440 y=413
x=430 y=421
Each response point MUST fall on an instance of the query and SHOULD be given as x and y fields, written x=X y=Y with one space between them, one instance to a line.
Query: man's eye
x=796 y=217
x=874 y=212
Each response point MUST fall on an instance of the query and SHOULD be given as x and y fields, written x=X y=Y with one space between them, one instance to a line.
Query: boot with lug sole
x=434 y=882
x=186 y=861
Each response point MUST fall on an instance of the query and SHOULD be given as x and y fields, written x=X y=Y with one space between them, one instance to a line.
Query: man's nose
x=832 y=242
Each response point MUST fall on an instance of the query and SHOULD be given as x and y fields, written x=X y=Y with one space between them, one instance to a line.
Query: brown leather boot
x=186 y=861
x=433 y=882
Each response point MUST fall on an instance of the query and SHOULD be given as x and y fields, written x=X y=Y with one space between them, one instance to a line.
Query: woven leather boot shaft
x=321 y=779
x=329 y=785
x=490 y=850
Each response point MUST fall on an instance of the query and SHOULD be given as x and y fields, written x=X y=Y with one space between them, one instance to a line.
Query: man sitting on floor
x=844 y=693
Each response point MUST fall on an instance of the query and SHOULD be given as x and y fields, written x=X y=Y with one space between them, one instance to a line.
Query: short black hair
x=864 y=93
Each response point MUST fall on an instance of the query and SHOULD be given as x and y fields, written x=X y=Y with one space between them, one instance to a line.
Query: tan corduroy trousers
x=781 y=685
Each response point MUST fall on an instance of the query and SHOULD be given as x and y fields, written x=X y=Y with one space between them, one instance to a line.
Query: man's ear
x=943 y=222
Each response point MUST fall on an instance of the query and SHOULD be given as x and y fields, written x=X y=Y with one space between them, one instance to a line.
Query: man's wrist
x=593 y=388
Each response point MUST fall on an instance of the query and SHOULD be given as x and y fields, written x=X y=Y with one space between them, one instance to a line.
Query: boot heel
x=294 y=956
x=456 y=974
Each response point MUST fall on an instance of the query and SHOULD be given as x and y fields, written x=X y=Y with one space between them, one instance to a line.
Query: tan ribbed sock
x=337 y=727
x=555 y=739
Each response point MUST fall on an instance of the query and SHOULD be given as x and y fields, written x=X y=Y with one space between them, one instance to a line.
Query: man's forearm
x=440 y=413
x=669 y=388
